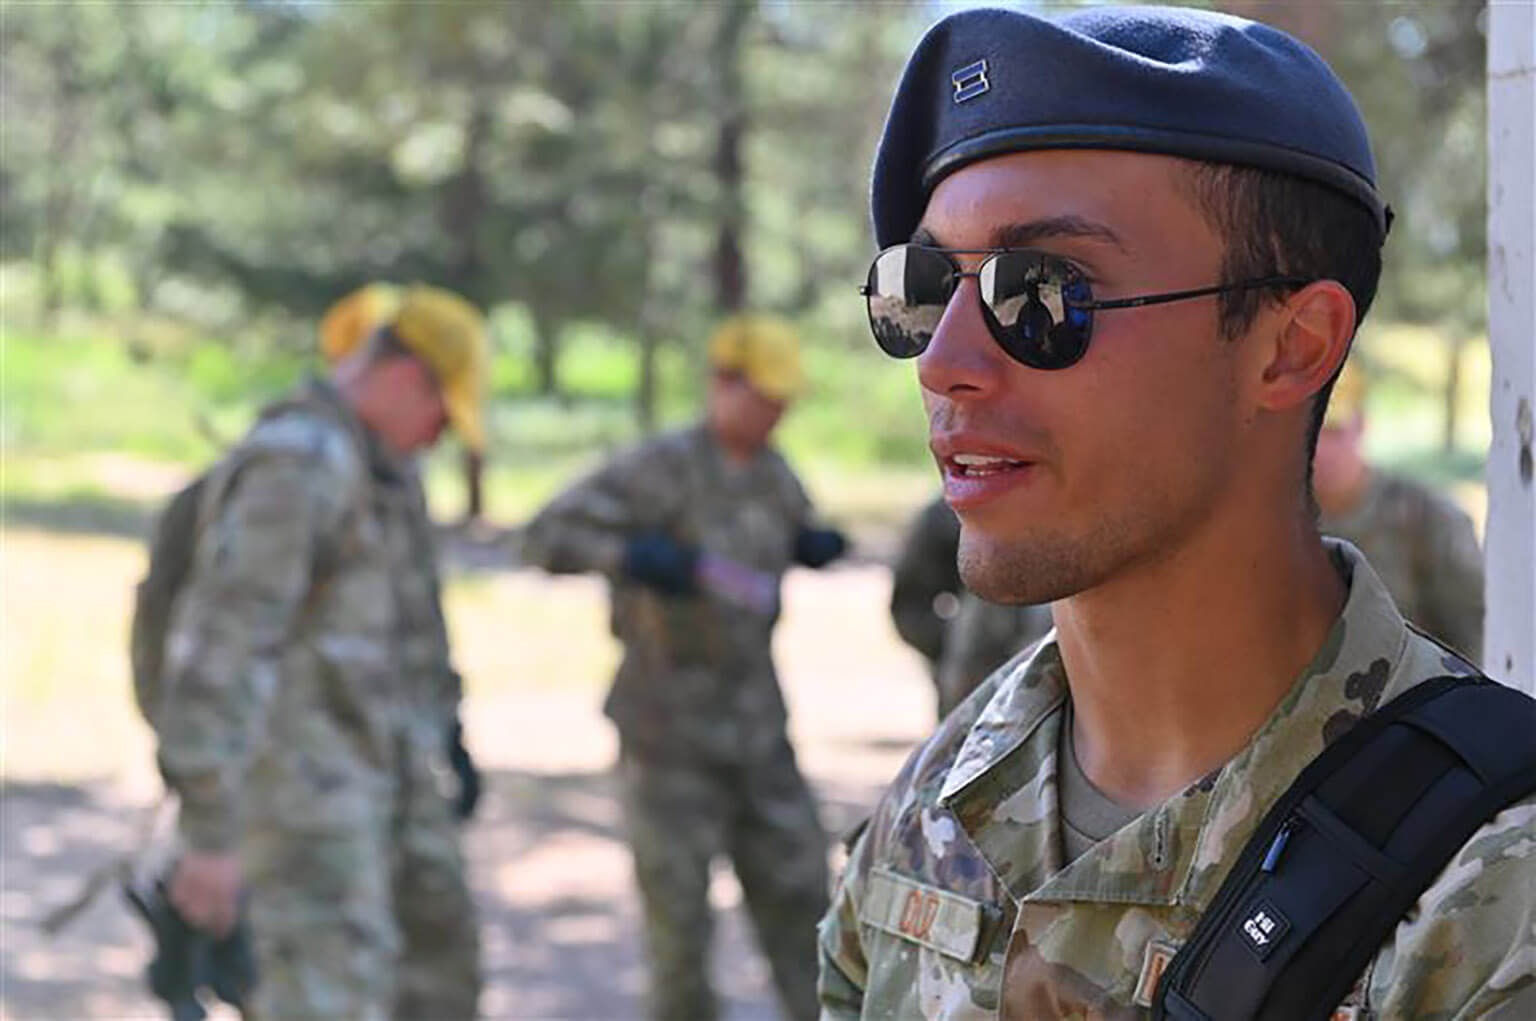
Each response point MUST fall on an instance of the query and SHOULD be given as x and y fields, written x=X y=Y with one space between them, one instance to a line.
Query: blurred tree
x=1417 y=70
x=730 y=175
x=641 y=167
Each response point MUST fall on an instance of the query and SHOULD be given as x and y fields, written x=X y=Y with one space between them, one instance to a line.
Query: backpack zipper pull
x=1277 y=846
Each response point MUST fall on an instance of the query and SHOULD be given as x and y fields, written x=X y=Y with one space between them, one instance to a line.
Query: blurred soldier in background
x=307 y=686
x=694 y=530
x=963 y=636
x=925 y=583
x=354 y=318
x=351 y=321
x=1423 y=546
x=982 y=637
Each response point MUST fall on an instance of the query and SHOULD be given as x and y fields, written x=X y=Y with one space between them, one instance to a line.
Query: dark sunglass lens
x=1028 y=300
x=908 y=290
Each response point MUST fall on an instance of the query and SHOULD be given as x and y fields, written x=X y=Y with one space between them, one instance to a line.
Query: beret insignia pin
x=970 y=81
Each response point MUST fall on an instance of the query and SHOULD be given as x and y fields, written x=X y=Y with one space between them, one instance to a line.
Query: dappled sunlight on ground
x=552 y=875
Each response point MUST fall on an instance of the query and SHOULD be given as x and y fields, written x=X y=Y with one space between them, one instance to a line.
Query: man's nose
x=962 y=360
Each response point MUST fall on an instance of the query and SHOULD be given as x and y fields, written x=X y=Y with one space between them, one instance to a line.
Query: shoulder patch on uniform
x=1154 y=962
x=935 y=918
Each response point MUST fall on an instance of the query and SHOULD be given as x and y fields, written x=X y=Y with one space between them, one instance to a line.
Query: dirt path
x=549 y=867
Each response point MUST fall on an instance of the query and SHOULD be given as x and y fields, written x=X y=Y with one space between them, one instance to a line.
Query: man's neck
x=1175 y=664
x=365 y=403
x=735 y=453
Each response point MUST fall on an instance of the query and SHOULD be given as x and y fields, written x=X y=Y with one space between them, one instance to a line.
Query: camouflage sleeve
x=925 y=569
x=445 y=688
x=843 y=971
x=250 y=578
x=585 y=528
x=797 y=501
x=1469 y=949
x=1453 y=567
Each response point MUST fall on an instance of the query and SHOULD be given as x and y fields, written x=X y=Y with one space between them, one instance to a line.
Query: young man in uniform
x=307 y=689
x=1130 y=248
x=694 y=530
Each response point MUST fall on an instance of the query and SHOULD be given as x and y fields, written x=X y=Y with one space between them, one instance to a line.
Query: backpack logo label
x=1263 y=928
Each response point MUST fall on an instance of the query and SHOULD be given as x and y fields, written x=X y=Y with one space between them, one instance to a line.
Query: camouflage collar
x=1002 y=785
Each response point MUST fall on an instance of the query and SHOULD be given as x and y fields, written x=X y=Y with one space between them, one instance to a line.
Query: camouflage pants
x=680 y=817
x=365 y=922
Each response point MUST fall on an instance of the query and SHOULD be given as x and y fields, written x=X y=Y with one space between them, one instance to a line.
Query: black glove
x=656 y=560
x=188 y=959
x=818 y=547
x=464 y=766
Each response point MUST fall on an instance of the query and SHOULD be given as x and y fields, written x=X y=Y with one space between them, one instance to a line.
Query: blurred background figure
x=963 y=637
x=694 y=530
x=352 y=319
x=925 y=580
x=1422 y=545
x=982 y=637
x=307 y=699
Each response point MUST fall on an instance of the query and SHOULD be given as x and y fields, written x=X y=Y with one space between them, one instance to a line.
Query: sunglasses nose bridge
x=961 y=359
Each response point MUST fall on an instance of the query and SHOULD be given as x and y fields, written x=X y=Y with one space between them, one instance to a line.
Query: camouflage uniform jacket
x=697 y=680
x=955 y=902
x=309 y=638
x=1425 y=549
x=925 y=572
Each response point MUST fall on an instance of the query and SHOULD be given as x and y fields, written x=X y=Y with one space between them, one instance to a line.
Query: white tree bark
x=1510 y=628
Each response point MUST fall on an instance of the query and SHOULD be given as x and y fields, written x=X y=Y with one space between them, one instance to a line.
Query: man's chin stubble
x=1040 y=569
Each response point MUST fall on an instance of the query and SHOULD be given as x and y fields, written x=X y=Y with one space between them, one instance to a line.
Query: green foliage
x=234 y=168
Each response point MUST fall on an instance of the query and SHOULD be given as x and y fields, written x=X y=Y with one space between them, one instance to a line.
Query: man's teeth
x=982 y=464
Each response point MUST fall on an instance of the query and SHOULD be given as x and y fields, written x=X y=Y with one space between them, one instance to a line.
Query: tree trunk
x=546 y=353
x=645 y=394
x=59 y=205
x=464 y=203
x=731 y=281
x=1449 y=395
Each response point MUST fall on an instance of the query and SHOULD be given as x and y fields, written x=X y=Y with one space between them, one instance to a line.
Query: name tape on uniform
x=935 y=918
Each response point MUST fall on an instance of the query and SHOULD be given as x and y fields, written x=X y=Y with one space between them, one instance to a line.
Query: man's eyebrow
x=1023 y=235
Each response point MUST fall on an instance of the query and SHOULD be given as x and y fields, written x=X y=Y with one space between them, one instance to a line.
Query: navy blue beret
x=1176 y=81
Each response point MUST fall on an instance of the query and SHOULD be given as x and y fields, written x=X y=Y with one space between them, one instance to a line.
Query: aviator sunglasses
x=1038 y=307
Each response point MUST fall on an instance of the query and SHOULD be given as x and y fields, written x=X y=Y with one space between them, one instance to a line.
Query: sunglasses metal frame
x=1136 y=301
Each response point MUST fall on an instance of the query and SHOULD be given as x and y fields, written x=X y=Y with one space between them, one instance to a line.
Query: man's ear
x=1315 y=328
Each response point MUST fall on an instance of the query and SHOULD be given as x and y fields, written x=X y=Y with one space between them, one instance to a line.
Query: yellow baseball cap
x=766 y=351
x=1348 y=401
x=353 y=319
x=448 y=333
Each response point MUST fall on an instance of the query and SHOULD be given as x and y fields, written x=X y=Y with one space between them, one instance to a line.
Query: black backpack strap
x=1349 y=849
